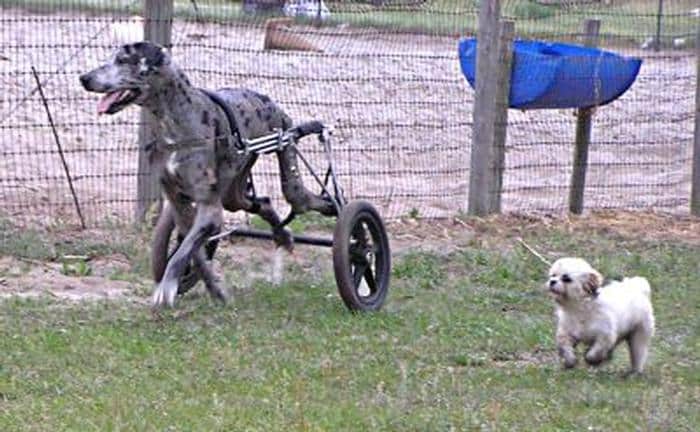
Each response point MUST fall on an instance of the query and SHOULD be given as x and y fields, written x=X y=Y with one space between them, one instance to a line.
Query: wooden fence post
x=481 y=172
x=583 y=133
x=659 y=19
x=504 y=64
x=158 y=20
x=695 y=187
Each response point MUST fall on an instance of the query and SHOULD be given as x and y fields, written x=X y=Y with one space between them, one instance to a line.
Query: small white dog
x=600 y=316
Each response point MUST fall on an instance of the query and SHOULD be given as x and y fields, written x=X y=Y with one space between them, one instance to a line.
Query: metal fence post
x=484 y=117
x=583 y=133
x=695 y=187
x=158 y=20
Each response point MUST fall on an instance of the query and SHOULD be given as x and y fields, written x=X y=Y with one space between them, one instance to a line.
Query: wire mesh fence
x=384 y=74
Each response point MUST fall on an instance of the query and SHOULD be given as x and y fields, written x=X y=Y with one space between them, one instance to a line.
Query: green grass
x=300 y=224
x=623 y=22
x=464 y=343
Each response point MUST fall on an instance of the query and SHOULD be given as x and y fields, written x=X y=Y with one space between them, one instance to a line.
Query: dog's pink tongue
x=107 y=101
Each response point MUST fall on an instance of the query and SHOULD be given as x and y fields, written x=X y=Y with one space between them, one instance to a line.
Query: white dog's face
x=573 y=279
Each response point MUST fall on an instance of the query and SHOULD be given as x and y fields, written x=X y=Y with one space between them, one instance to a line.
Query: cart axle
x=262 y=234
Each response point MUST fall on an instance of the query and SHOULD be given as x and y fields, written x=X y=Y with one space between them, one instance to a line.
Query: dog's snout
x=552 y=282
x=85 y=80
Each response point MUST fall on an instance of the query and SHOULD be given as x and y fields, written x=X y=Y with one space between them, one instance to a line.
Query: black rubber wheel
x=361 y=257
x=163 y=247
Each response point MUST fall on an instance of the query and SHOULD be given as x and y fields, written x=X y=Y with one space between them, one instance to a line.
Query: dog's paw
x=328 y=208
x=217 y=292
x=283 y=238
x=597 y=359
x=632 y=374
x=570 y=363
x=568 y=356
x=164 y=294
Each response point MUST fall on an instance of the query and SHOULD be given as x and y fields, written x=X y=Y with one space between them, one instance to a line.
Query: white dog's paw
x=598 y=357
x=570 y=362
x=164 y=294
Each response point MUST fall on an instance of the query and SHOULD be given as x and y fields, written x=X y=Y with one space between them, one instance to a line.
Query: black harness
x=238 y=142
x=233 y=125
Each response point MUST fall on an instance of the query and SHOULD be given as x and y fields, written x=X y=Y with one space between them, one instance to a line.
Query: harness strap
x=233 y=125
x=238 y=142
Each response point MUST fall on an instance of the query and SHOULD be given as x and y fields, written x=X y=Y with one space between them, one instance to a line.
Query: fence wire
x=385 y=75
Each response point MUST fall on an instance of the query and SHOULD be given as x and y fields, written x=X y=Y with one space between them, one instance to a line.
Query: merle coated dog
x=202 y=169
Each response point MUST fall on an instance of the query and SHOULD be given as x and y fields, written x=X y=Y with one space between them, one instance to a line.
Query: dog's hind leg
x=207 y=221
x=281 y=236
x=296 y=194
x=638 y=344
x=238 y=198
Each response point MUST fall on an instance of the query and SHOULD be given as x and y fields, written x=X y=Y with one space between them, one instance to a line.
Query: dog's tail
x=641 y=284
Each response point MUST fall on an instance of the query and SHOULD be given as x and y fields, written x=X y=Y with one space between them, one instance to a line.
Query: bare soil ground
x=401 y=108
x=35 y=278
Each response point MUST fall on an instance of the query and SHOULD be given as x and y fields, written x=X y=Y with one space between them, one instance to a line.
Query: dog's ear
x=152 y=55
x=592 y=283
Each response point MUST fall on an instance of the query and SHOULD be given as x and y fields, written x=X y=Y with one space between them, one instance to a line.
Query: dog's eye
x=126 y=60
x=566 y=278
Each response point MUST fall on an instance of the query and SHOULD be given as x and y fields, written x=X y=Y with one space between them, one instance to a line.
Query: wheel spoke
x=371 y=281
x=359 y=271
x=364 y=252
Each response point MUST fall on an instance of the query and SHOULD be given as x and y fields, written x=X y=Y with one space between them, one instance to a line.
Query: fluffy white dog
x=600 y=316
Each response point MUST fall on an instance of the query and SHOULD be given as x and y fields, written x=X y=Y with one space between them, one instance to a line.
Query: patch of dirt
x=524 y=359
x=31 y=278
x=648 y=226
x=242 y=262
x=447 y=235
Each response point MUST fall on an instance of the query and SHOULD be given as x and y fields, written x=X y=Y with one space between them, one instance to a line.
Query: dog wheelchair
x=360 y=245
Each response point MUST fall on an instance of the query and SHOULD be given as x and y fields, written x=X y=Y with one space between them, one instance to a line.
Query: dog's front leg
x=210 y=282
x=600 y=351
x=207 y=221
x=565 y=347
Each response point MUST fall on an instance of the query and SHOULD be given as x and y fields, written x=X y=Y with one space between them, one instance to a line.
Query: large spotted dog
x=198 y=156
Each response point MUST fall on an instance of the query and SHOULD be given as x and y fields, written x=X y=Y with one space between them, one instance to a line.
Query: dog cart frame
x=360 y=245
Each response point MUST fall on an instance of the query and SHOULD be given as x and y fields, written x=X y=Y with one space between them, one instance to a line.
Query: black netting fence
x=384 y=73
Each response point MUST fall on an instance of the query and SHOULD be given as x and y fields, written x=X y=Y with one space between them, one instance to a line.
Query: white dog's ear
x=592 y=282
